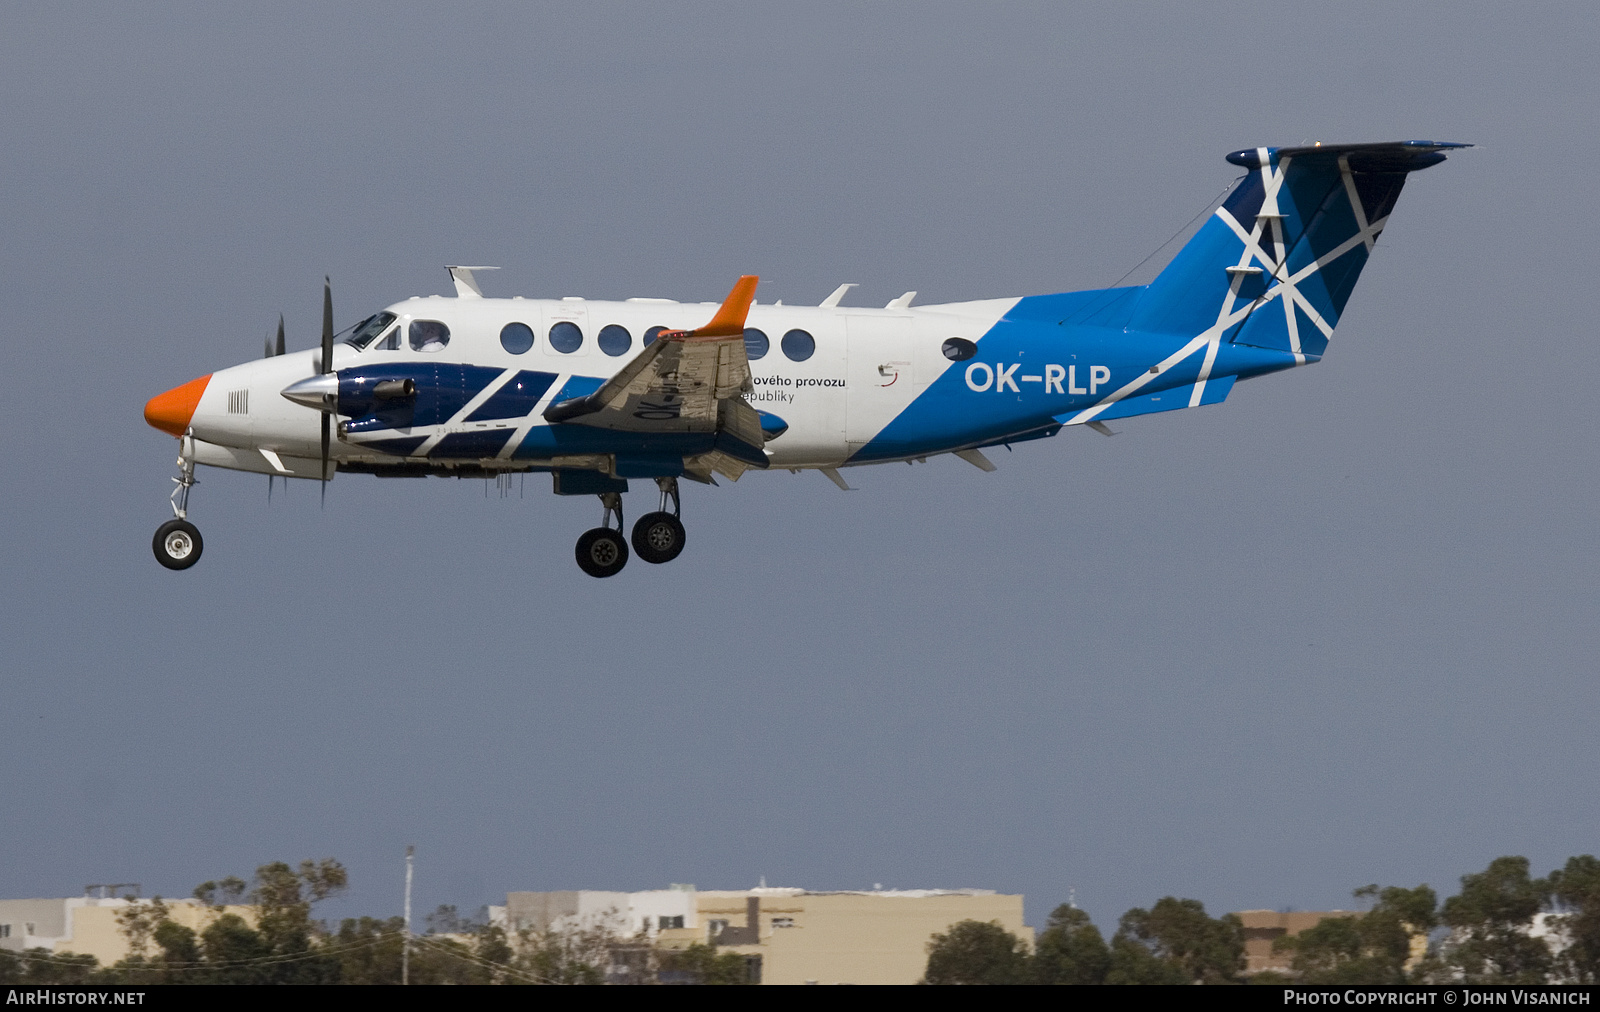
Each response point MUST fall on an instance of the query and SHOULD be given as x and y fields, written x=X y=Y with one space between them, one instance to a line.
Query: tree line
x=287 y=945
x=1503 y=927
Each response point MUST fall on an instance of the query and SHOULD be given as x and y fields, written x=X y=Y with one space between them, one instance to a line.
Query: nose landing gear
x=602 y=552
x=658 y=537
x=177 y=543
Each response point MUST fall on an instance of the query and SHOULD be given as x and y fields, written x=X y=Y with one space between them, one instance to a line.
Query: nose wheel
x=177 y=543
x=602 y=552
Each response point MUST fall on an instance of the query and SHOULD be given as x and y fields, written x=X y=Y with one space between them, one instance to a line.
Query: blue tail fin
x=1275 y=265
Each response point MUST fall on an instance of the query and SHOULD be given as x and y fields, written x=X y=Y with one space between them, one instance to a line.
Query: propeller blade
x=327 y=327
x=327 y=367
x=280 y=335
x=325 y=424
x=266 y=351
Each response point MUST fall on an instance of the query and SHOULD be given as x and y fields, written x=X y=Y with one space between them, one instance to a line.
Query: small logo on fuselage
x=981 y=376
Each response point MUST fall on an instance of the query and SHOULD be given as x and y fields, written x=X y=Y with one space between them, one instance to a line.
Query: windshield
x=368 y=329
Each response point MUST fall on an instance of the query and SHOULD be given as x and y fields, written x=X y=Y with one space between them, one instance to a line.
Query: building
x=790 y=936
x=1263 y=927
x=87 y=925
x=623 y=914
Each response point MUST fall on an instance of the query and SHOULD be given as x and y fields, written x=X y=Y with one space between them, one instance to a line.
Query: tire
x=177 y=544
x=602 y=552
x=658 y=537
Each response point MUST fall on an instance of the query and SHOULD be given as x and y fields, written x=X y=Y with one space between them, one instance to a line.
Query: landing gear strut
x=177 y=543
x=602 y=551
x=658 y=537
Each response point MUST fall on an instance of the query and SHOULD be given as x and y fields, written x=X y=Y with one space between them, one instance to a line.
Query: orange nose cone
x=170 y=412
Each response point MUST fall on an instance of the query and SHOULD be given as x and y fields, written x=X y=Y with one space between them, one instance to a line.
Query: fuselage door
x=880 y=378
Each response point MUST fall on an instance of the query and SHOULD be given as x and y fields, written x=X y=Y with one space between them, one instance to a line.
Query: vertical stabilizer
x=1279 y=258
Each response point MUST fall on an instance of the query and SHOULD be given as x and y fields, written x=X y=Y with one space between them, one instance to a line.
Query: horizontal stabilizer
x=1382 y=156
x=1212 y=392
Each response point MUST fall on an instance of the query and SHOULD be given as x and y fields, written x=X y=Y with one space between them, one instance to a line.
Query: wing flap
x=681 y=382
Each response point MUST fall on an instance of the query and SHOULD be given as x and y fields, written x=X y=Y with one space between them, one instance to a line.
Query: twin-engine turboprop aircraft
x=603 y=393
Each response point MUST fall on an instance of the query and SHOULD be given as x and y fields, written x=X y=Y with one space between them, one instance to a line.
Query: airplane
x=601 y=394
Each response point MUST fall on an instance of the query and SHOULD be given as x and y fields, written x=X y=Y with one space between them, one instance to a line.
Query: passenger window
x=798 y=345
x=429 y=335
x=756 y=344
x=651 y=335
x=566 y=338
x=614 y=340
x=516 y=338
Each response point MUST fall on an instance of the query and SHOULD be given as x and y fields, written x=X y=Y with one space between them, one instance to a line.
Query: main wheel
x=177 y=544
x=658 y=537
x=602 y=552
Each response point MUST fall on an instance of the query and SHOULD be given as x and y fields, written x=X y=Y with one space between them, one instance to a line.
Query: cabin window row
x=567 y=337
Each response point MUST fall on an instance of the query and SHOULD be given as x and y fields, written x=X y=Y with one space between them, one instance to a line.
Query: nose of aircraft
x=170 y=412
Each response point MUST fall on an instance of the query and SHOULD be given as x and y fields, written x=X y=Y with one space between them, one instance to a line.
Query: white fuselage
x=867 y=367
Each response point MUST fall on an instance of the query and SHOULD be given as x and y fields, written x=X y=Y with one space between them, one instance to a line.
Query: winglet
x=729 y=321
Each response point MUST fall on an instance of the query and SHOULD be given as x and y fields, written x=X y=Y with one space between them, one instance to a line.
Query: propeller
x=269 y=351
x=322 y=390
x=327 y=367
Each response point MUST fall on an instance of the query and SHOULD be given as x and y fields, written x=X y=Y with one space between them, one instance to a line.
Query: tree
x=137 y=922
x=180 y=946
x=703 y=964
x=370 y=951
x=235 y=952
x=1206 y=950
x=41 y=966
x=1576 y=891
x=280 y=948
x=221 y=894
x=1132 y=962
x=1492 y=921
x=1070 y=950
x=975 y=952
x=283 y=898
x=577 y=955
x=1373 y=949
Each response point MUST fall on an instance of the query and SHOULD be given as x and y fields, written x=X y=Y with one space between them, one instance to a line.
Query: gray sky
x=1338 y=630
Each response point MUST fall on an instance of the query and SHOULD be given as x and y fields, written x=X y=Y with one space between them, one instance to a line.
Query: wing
x=685 y=381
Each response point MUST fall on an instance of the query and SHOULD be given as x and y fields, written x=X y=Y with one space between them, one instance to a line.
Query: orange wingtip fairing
x=170 y=412
x=729 y=321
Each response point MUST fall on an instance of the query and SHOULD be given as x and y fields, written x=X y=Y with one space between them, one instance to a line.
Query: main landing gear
x=657 y=537
x=601 y=551
x=177 y=543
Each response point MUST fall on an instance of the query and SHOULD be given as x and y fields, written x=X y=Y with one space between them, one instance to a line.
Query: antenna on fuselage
x=466 y=284
x=838 y=293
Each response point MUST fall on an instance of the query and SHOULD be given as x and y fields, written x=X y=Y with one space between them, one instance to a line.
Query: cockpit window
x=368 y=329
x=428 y=335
